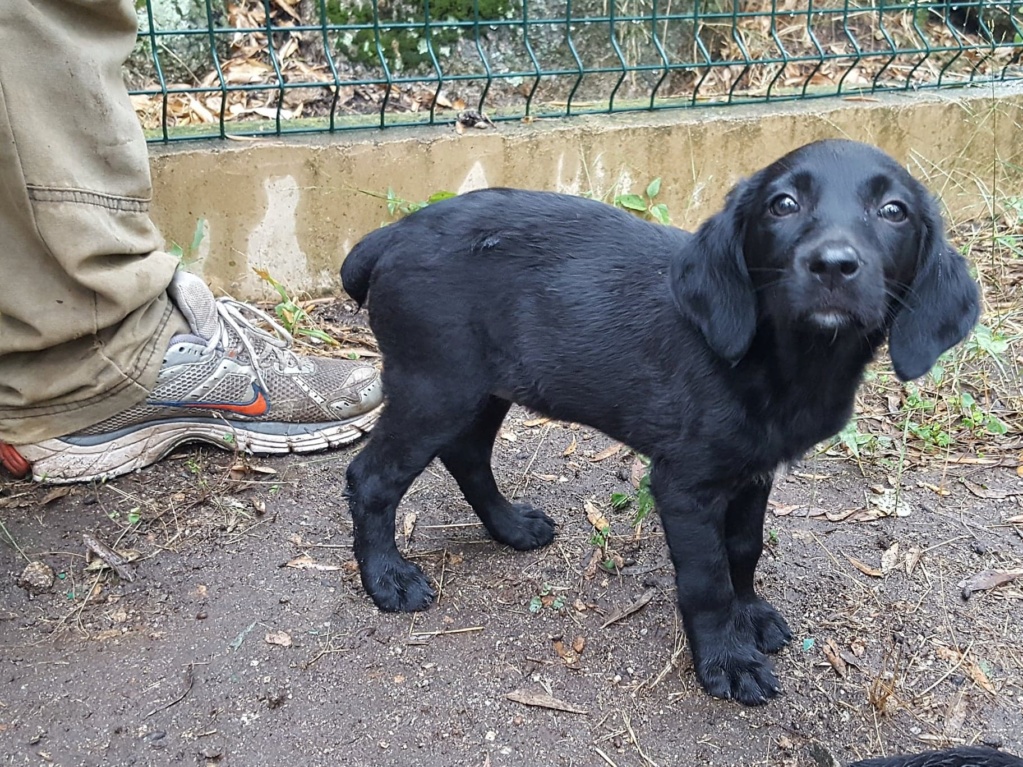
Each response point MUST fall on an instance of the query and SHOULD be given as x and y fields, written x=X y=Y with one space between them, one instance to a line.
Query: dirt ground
x=240 y=635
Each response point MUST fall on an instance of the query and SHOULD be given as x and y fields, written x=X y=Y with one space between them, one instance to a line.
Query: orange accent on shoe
x=259 y=406
x=14 y=461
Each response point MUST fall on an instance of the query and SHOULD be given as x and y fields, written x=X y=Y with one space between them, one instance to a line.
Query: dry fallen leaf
x=955 y=715
x=637 y=472
x=54 y=494
x=987 y=579
x=533 y=422
x=865 y=569
x=281 y=638
x=992 y=495
x=607 y=452
x=571 y=447
x=594 y=515
x=972 y=669
x=408 y=525
x=890 y=558
x=831 y=652
x=913 y=559
x=453 y=558
x=567 y=654
x=783 y=509
x=944 y=492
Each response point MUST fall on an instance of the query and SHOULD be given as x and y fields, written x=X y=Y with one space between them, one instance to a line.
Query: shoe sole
x=90 y=459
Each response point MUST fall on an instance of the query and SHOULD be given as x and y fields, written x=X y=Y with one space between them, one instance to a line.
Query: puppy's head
x=837 y=237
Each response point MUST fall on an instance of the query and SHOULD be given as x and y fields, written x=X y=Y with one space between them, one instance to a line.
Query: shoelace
x=234 y=315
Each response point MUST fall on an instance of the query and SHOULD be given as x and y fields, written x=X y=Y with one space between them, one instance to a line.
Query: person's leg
x=109 y=357
x=84 y=316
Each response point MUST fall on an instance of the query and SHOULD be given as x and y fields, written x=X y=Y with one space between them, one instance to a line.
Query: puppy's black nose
x=834 y=265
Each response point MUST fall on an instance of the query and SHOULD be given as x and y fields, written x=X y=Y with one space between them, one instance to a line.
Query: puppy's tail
x=357 y=268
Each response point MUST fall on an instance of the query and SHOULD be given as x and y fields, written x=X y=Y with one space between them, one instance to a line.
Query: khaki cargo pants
x=84 y=316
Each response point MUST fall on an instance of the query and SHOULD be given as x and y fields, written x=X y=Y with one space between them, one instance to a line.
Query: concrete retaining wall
x=294 y=207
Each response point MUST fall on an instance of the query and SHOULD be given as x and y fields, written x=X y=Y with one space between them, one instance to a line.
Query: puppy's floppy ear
x=710 y=283
x=940 y=308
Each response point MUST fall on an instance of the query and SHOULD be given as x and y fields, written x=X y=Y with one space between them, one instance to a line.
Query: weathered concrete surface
x=295 y=207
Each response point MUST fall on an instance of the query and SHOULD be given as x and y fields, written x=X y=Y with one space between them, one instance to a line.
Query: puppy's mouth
x=831 y=319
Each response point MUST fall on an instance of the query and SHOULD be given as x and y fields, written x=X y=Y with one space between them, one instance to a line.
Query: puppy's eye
x=893 y=211
x=784 y=205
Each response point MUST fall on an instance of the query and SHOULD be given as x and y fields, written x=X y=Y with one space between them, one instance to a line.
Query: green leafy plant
x=644 y=204
x=546 y=598
x=859 y=443
x=986 y=342
x=919 y=410
x=292 y=316
x=642 y=501
x=189 y=253
x=975 y=418
x=404 y=38
x=399 y=207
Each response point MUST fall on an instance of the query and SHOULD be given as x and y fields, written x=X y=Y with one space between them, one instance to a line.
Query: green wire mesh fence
x=220 y=68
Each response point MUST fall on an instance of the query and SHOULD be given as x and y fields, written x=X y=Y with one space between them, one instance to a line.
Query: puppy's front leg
x=725 y=654
x=744 y=539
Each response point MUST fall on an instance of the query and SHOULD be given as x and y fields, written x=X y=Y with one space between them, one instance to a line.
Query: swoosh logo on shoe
x=256 y=407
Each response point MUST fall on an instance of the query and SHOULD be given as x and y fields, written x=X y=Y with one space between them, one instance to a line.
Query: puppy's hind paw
x=523 y=527
x=397 y=586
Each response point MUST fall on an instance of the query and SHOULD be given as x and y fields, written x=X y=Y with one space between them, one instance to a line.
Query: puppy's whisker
x=772 y=284
x=896 y=297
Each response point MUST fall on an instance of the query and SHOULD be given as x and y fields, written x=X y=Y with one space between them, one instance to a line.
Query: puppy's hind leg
x=744 y=540
x=467 y=458
x=410 y=432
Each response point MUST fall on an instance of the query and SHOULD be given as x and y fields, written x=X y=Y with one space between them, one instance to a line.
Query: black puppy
x=962 y=756
x=719 y=354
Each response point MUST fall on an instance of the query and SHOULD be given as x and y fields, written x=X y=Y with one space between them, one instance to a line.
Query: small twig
x=442 y=632
x=523 y=483
x=14 y=543
x=947 y=674
x=604 y=756
x=189 y=681
x=116 y=562
x=635 y=741
x=543 y=700
x=631 y=608
x=440 y=580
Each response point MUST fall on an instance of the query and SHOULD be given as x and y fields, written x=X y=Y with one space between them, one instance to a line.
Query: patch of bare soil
x=238 y=634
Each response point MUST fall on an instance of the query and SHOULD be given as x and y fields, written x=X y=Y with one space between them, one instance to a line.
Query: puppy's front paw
x=397 y=585
x=769 y=629
x=737 y=671
x=524 y=528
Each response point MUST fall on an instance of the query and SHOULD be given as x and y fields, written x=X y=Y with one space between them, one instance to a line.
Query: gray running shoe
x=229 y=383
